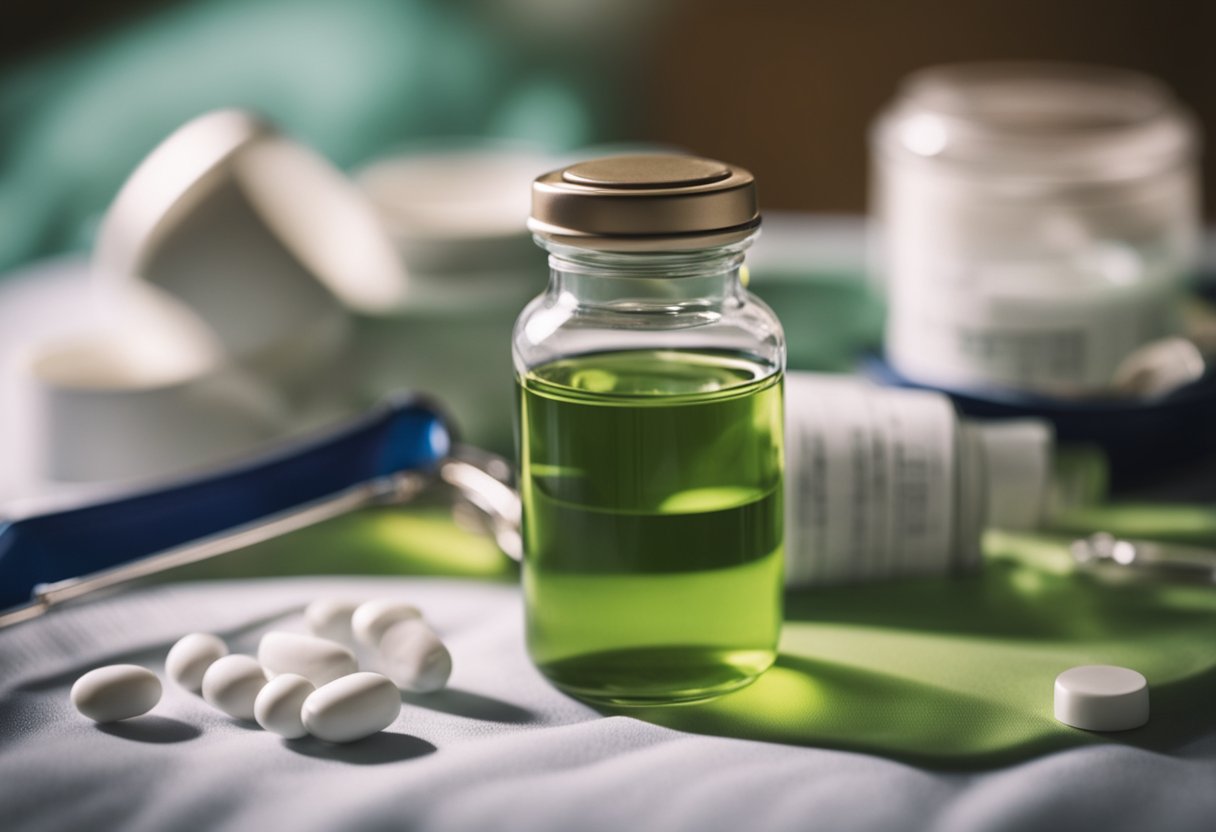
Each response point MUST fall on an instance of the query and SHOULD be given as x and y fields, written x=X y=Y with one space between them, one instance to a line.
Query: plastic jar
x=1036 y=221
x=457 y=219
x=650 y=435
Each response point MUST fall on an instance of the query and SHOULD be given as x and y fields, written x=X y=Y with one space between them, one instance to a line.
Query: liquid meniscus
x=652 y=522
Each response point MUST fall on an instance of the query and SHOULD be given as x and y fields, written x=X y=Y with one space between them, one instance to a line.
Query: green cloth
x=959 y=673
x=948 y=672
x=830 y=316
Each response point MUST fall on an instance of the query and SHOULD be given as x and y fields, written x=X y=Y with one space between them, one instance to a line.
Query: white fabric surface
x=499 y=750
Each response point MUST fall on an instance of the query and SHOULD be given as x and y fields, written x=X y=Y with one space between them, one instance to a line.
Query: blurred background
x=788 y=89
x=281 y=316
x=784 y=87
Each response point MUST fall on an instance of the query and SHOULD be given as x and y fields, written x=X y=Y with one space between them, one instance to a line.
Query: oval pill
x=412 y=655
x=279 y=705
x=233 y=683
x=352 y=707
x=373 y=618
x=190 y=657
x=1101 y=697
x=117 y=691
x=330 y=618
x=318 y=660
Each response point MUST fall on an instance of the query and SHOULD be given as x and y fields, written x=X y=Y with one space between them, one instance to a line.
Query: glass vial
x=1035 y=223
x=650 y=435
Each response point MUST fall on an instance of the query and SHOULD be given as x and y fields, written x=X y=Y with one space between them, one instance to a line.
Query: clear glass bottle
x=1036 y=223
x=650 y=435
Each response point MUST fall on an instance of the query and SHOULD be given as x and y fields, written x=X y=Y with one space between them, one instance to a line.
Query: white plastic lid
x=257 y=234
x=1018 y=453
x=458 y=218
x=1101 y=697
x=1038 y=123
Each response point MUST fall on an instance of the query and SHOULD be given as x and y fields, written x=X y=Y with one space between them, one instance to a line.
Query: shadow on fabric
x=151 y=729
x=469 y=705
x=378 y=749
x=959 y=673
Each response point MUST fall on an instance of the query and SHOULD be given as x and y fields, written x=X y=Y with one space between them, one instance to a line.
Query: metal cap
x=645 y=203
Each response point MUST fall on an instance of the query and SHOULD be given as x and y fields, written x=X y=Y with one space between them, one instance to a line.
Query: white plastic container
x=883 y=483
x=457 y=218
x=1035 y=222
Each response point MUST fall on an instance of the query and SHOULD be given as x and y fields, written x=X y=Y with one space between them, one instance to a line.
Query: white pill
x=330 y=618
x=279 y=705
x=1101 y=697
x=318 y=660
x=233 y=683
x=117 y=691
x=414 y=657
x=352 y=707
x=190 y=657
x=373 y=618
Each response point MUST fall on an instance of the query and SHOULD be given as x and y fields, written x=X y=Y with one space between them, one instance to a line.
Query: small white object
x=1017 y=476
x=158 y=380
x=847 y=439
x=414 y=657
x=117 y=691
x=190 y=657
x=373 y=618
x=233 y=683
x=352 y=707
x=279 y=705
x=330 y=618
x=1160 y=367
x=318 y=660
x=1101 y=697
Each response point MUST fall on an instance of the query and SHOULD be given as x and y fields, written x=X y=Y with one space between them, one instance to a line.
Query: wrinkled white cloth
x=500 y=750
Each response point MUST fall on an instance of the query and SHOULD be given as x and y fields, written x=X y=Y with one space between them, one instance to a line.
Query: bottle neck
x=647 y=282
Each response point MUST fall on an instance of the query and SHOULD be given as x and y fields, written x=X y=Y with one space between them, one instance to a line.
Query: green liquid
x=652 y=522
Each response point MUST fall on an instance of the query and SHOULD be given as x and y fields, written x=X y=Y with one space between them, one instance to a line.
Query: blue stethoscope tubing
x=406 y=434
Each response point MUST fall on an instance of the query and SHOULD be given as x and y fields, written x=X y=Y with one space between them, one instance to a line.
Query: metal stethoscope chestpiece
x=1121 y=557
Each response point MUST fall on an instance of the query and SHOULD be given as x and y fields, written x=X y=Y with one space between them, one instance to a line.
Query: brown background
x=790 y=86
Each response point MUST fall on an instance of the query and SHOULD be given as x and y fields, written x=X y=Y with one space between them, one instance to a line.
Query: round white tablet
x=351 y=708
x=279 y=704
x=1101 y=697
x=117 y=691
x=373 y=618
x=190 y=657
x=232 y=684
x=330 y=618
x=318 y=660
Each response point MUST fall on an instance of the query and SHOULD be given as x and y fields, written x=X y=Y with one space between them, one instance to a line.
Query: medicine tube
x=650 y=435
x=1035 y=223
x=888 y=483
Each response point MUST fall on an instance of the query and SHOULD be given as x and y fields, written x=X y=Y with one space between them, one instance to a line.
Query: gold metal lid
x=645 y=203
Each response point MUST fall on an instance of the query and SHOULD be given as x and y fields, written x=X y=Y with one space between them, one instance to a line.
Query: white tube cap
x=1018 y=453
x=1101 y=697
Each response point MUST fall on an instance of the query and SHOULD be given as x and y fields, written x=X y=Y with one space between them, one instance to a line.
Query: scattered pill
x=190 y=657
x=373 y=618
x=279 y=705
x=414 y=657
x=232 y=684
x=117 y=691
x=1101 y=697
x=330 y=618
x=352 y=707
x=318 y=660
